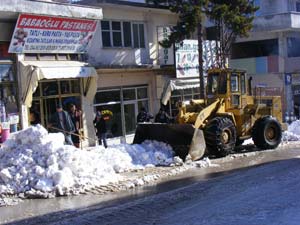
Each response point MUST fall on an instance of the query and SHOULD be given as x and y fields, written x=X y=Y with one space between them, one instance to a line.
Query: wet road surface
x=58 y=210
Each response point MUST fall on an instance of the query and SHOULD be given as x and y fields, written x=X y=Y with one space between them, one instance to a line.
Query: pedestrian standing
x=162 y=116
x=75 y=115
x=144 y=116
x=61 y=121
x=101 y=129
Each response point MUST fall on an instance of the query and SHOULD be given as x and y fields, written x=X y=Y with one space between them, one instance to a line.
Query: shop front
x=44 y=84
x=124 y=93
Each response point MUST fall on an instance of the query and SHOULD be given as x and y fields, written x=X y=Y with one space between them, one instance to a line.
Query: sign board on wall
x=187 y=57
x=165 y=55
x=45 y=34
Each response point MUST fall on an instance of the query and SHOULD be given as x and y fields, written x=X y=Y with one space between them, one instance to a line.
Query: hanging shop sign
x=187 y=57
x=166 y=55
x=45 y=34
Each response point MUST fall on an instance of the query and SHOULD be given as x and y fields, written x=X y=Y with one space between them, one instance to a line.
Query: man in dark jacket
x=61 y=121
x=101 y=129
x=162 y=117
x=143 y=116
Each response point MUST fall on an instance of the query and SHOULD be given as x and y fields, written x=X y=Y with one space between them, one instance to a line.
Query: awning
x=178 y=84
x=33 y=71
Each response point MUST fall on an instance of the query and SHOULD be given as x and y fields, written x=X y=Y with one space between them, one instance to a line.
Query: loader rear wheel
x=220 y=136
x=266 y=133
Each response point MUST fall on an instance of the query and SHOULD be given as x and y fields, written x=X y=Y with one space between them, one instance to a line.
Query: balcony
x=258 y=65
x=277 y=22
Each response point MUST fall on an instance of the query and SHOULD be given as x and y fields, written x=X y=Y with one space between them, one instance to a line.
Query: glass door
x=130 y=110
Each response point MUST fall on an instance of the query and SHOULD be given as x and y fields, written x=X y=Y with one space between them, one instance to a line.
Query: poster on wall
x=165 y=55
x=45 y=34
x=187 y=57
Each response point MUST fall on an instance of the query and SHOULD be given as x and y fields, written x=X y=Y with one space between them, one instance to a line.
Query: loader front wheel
x=266 y=133
x=220 y=136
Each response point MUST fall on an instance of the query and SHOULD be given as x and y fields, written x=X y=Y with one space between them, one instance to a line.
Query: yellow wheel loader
x=228 y=115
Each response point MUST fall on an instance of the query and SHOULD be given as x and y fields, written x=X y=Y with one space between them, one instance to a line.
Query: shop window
x=8 y=89
x=181 y=95
x=129 y=94
x=75 y=86
x=124 y=111
x=50 y=88
x=65 y=87
x=107 y=96
x=142 y=93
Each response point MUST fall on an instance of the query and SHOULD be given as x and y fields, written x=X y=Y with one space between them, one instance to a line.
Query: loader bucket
x=183 y=138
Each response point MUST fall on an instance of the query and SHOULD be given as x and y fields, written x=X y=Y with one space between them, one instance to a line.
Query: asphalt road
x=162 y=203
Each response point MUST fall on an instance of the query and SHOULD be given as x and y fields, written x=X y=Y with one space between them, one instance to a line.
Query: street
x=246 y=188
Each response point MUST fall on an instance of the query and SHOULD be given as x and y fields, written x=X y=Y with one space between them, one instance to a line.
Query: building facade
x=271 y=53
x=39 y=65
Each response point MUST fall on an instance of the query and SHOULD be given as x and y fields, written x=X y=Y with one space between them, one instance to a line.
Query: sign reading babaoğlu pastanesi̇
x=45 y=34
x=187 y=63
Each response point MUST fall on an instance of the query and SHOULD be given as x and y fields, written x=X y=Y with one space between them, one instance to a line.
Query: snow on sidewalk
x=35 y=162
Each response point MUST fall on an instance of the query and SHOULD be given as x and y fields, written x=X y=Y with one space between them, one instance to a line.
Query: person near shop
x=144 y=116
x=101 y=129
x=61 y=121
x=34 y=117
x=162 y=116
x=75 y=115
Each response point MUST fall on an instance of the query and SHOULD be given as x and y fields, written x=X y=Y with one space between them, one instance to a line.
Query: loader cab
x=228 y=84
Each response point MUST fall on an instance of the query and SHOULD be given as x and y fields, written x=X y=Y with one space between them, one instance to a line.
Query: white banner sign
x=45 y=34
x=187 y=57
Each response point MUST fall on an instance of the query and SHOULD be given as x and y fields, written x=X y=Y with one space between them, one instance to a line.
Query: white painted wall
x=151 y=18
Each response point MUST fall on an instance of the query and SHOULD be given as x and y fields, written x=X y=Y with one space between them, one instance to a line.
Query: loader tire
x=220 y=136
x=266 y=133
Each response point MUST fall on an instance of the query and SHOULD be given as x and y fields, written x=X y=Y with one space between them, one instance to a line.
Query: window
x=243 y=84
x=181 y=95
x=116 y=34
x=138 y=36
x=122 y=34
x=234 y=83
x=124 y=103
x=293 y=47
x=297 y=6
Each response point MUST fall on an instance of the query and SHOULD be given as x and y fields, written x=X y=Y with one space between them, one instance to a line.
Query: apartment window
x=122 y=34
x=298 y=6
x=293 y=47
x=105 y=27
x=138 y=36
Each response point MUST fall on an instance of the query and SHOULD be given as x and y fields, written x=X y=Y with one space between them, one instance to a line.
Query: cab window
x=234 y=83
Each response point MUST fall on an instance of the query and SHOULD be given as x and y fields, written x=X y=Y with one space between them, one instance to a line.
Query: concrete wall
x=131 y=78
x=151 y=18
x=268 y=7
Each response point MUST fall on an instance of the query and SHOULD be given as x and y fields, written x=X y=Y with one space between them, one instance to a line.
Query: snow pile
x=293 y=132
x=34 y=162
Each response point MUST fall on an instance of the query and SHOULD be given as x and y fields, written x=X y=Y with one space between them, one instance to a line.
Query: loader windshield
x=216 y=83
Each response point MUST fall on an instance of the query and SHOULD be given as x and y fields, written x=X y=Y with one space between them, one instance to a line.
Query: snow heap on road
x=33 y=160
x=293 y=132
